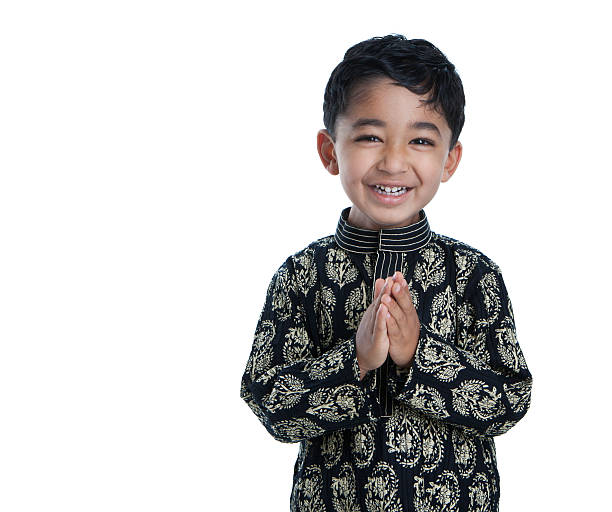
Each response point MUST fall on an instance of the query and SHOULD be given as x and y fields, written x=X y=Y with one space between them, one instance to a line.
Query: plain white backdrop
x=158 y=163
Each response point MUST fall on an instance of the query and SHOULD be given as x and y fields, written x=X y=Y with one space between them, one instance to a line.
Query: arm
x=295 y=392
x=480 y=382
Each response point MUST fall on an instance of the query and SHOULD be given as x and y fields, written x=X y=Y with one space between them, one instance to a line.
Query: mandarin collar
x=404 y=239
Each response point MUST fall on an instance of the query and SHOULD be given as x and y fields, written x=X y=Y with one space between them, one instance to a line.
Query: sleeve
x=481 y=382
x=296 y=392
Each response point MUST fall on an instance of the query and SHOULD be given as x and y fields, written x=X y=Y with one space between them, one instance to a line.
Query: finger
x=378 y=286
x=376 y=302
x=393 y=328
x=402 y=295
x=394 y=308
x=380 y=325
x=385 y=288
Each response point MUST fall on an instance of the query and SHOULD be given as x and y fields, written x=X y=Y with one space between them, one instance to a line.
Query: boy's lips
x=388 y=198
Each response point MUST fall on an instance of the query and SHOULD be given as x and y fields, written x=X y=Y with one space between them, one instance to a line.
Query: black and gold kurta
x=399 y=440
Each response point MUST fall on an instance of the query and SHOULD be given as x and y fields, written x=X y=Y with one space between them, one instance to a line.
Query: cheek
x=359 y=161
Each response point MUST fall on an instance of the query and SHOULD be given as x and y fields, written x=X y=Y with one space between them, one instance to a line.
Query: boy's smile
x=388 y=138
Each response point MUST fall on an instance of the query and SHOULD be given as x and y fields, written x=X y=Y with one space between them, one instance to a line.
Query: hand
x=403 y=326
x=372 y=340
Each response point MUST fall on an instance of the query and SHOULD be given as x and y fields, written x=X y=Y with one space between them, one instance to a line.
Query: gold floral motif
x=430 y=270
x=519 y=395
x=478 y=399
x=281 y=303
x=442 y=495
x=331 y=448
x=429 y=400
x=443 y=313
x=355 y=305
x=261 y=355
x=296 y=429
x=344 y=492
x=362 y=444
x=296 y=345
x=433 y=439
x=286 y=392
x=508 y=347
x=339 y=267
x=305 y=270
x=335 y=404
x=465 y=263
x=382 y=490
x=306 y=495
x=438 y=359
x=481 y=494
x=490 y=291
x=464 y=449
x=403 y=436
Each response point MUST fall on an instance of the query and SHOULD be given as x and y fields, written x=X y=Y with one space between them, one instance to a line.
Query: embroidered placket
x=387 y=263
x=390 y=246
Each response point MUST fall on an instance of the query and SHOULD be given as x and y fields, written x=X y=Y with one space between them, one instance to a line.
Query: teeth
x=396 y=191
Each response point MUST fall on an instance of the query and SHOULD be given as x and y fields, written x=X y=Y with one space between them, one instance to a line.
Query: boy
x=387 y=350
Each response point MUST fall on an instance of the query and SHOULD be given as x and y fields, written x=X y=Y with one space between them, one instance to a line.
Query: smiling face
x=388 y=137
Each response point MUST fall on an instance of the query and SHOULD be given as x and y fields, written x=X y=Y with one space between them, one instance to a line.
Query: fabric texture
x=419 y=439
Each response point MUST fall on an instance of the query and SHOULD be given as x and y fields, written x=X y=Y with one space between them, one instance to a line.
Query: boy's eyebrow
x=415 y=125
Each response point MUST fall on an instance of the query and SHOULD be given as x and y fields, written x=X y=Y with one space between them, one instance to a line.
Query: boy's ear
x=452 y=161
x=327 y=151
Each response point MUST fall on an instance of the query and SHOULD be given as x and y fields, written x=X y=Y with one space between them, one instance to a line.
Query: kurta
x=416 y=439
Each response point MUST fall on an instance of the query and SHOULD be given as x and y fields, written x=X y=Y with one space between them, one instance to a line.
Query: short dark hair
x=413 y=63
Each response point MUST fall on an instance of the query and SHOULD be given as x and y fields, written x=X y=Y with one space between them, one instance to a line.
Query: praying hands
x=390 y=325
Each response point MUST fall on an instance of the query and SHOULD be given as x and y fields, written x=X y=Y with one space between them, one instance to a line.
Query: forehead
x=385 y=98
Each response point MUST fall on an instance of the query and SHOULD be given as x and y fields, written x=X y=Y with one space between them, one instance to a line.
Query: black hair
x=413 y=63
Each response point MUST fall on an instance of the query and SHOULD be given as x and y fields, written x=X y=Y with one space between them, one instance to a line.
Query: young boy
x=387 y=350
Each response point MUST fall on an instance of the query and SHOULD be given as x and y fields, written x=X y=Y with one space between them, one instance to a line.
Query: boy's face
x=387 y=137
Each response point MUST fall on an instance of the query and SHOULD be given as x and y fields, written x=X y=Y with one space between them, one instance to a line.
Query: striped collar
x=404 y=239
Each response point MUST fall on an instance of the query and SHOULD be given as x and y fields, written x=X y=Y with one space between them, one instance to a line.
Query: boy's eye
x=368 y=138
x=421 y=142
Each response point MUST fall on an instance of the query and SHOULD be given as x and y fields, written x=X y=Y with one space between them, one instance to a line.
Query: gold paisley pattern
x=382 y=490
x=296 y=344
x=431 y=270
x=481 y=494
x=464 y=449
x=428 y=399
x=443 y=313
x=362 y=444
x=305 y=273
x=355 y=306
x=403 y=437
x=438 y=359
x=339 y=267
x=478 y=399
x=344 y=492
x=335 y=404
x=331 y=448
x=434 y=441
x=306 y=496
x=468 y=381
x=325 y=301
x=441 y=495
x=285 y=394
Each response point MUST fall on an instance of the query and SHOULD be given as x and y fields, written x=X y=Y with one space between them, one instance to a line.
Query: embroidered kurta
x=416 y=439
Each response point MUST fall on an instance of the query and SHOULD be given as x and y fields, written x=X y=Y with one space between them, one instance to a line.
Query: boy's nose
x=395 y=159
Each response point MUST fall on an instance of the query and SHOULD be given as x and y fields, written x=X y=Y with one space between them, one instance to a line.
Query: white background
x=158 y=164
